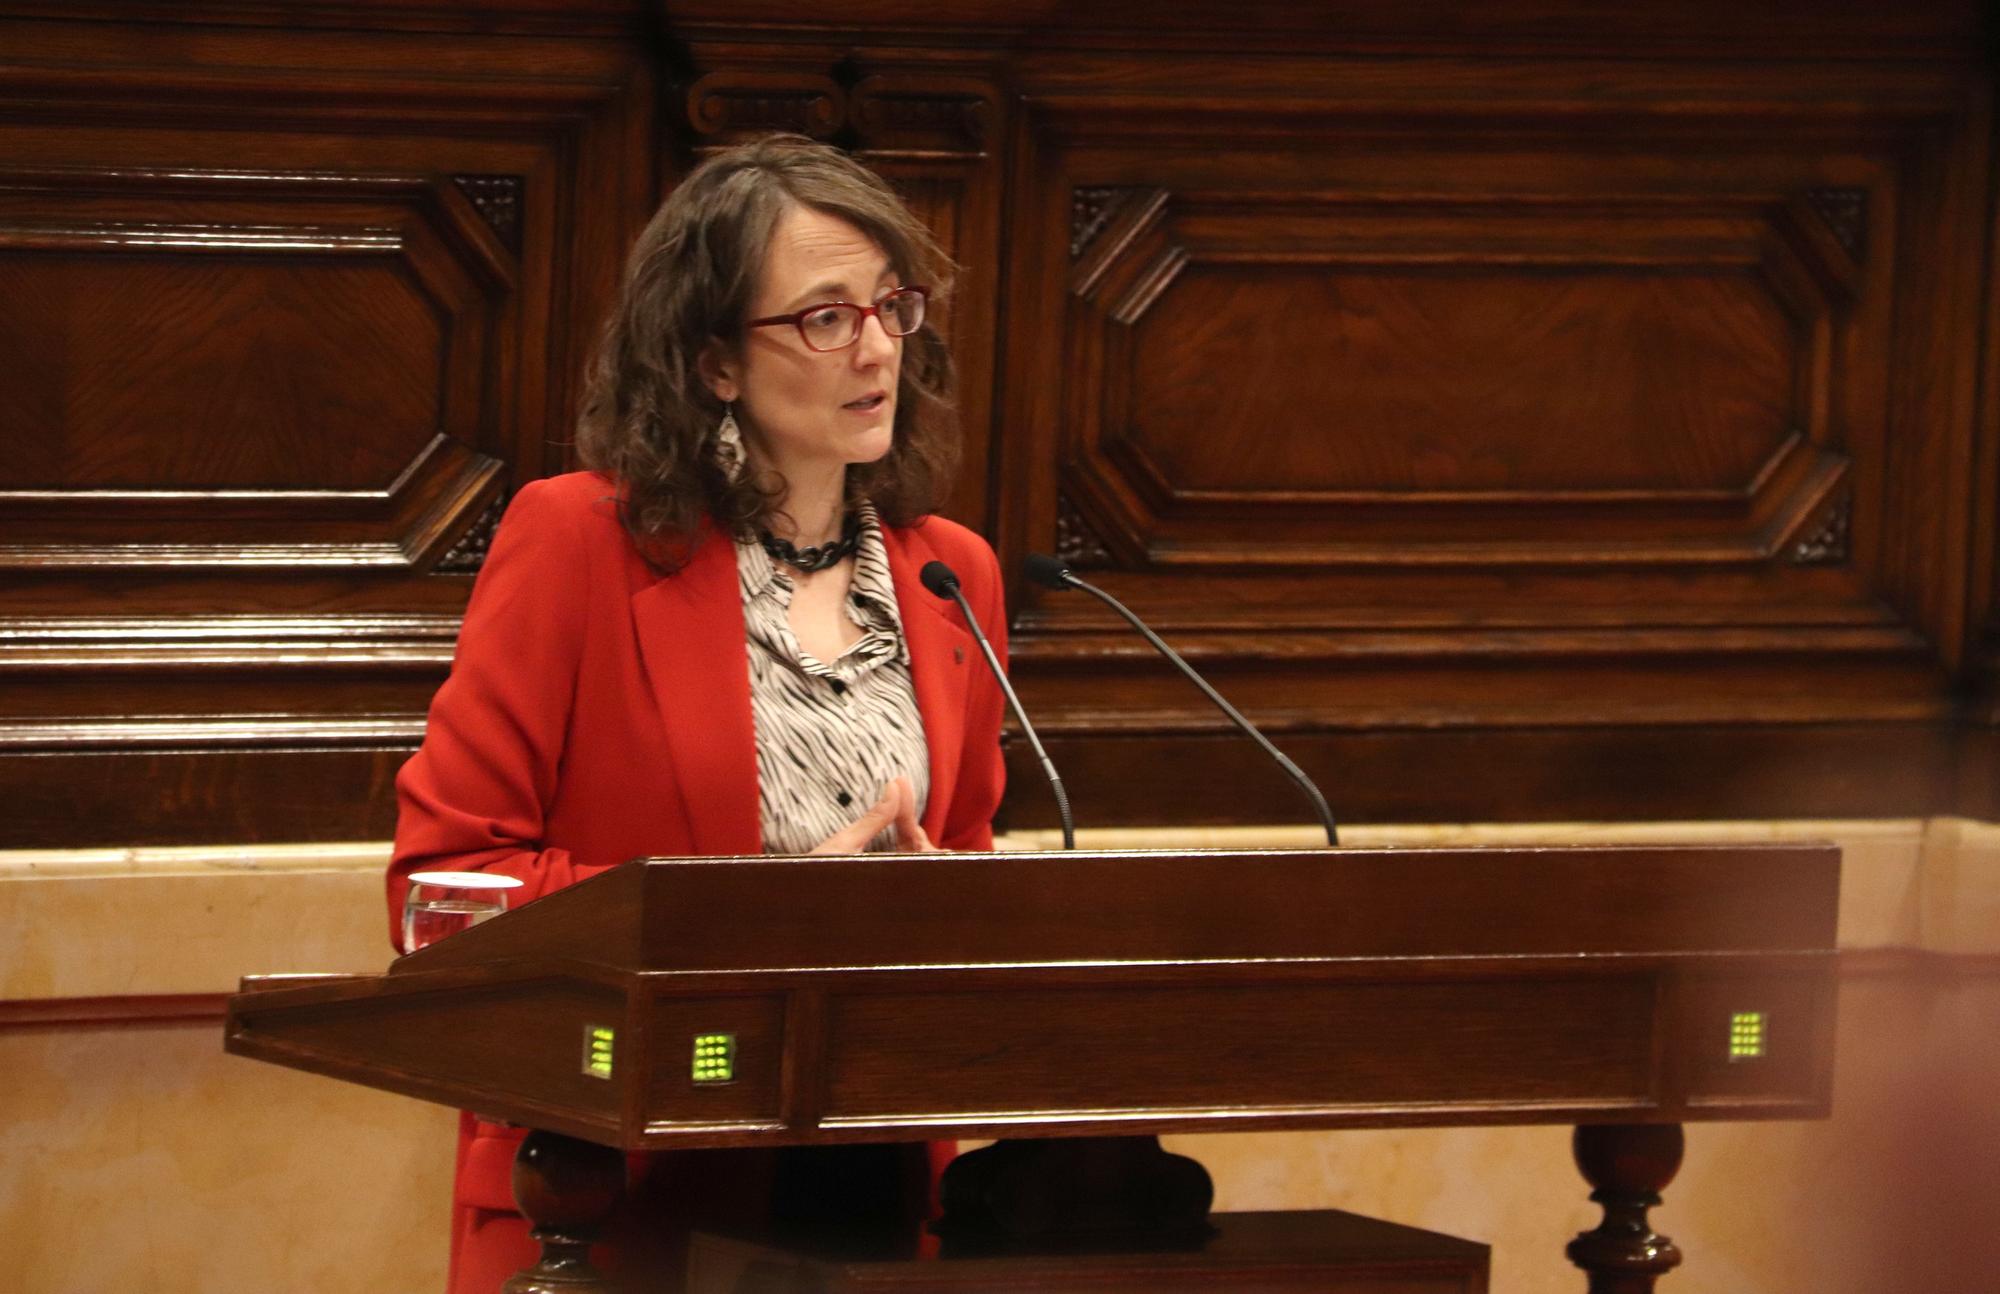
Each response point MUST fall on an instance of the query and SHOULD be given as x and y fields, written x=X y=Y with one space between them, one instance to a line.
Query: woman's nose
x=875 y=345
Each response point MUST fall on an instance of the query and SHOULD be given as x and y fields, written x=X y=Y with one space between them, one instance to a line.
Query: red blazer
x=598 y=711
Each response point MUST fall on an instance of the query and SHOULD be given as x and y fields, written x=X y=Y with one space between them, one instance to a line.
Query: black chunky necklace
x=815 y=559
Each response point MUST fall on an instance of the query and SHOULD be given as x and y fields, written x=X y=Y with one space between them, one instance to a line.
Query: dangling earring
x=729 y=445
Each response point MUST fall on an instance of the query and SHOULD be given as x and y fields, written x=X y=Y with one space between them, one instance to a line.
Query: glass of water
x=439 y=904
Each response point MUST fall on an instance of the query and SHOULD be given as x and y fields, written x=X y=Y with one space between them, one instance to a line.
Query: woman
x=715 y=642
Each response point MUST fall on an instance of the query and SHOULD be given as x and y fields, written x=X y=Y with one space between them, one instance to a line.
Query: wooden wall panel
x=1425 y=403
x=1527 y=410
x=1499 y=377
x=230 y=369
x=1978 y=781
x=287 y=315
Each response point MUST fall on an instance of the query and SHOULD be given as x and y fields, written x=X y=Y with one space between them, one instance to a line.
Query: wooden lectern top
x=717 y=1002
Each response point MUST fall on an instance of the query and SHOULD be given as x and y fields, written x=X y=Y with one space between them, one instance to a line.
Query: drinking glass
x=439 y=904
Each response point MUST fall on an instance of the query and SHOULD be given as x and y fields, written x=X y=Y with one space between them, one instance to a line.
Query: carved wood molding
x=214 y=732
x=912 y=112
x=369 y=194
x=1699 y=28
x=498 y=200
x=319 y=283
x=1845 y=212
x=886 y=112
x=418 y=516
x=226 y=643
x=1077 y=543
x=424 y=253
x=1137 y=247
x=1827 y=543
x=469 y=553
x=281 y=190
x=753 y=103
x=31 y=235
x=1093 y=209
x=377 y=77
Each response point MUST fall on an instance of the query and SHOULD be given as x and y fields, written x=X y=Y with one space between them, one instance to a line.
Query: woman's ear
x=718 y=370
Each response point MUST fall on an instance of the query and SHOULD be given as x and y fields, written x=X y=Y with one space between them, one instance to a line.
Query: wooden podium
x=1077 y=1005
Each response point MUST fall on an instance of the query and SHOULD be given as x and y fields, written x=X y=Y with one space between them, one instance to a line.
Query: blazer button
x=845 y=799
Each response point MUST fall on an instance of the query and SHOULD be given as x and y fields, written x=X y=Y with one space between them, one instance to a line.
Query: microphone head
x=1046 y=571
x=939 y=579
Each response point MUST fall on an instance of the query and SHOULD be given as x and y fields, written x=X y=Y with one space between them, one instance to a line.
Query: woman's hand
x=896 y=809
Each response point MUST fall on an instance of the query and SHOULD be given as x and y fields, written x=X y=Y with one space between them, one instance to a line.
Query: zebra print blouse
x=830 y=734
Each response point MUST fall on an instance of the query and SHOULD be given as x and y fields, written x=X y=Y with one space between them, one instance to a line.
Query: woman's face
x=811 y=413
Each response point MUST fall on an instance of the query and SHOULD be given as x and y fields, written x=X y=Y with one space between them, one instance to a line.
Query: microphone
x=939 y=579
x=1050 y=573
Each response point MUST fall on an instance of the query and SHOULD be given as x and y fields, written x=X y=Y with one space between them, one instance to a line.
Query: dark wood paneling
x=894 y=1054
x=290 y=313
x=1538 y=367
x=1326 y=356
x=1499 y=775
x=1782 y=28
x=1531 y=411
x=184 y=790
x=1979 y=779
x=1449 y=413
x=231 y=369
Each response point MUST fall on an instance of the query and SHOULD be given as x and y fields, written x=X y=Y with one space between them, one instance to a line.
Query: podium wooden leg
x=567 y=1188
x=1629 y=1164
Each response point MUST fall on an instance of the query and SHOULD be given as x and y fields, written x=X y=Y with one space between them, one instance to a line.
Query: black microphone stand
x=1050 y=573
x=939 y=579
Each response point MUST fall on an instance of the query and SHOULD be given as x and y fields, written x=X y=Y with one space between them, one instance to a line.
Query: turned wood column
x=567 y=1188
x=1629 y=1164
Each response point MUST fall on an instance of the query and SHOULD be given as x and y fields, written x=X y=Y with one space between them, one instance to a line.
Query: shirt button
x=845 y=799
x=839 y=688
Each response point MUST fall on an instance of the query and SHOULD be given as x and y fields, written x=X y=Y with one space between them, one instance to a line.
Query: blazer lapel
x=941 y=654
x=690 y=628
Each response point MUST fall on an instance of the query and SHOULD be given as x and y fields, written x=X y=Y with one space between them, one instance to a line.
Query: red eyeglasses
x=836 y=325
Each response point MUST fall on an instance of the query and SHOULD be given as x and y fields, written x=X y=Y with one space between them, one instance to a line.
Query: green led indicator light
x=714 y=1058
x=598 y=1042
x=1746 y=1035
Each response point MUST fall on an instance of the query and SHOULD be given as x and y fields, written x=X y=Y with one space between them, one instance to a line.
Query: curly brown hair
x=648 y=420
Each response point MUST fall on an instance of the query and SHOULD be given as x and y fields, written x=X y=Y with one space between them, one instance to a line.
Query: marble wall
x=135 y=1155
